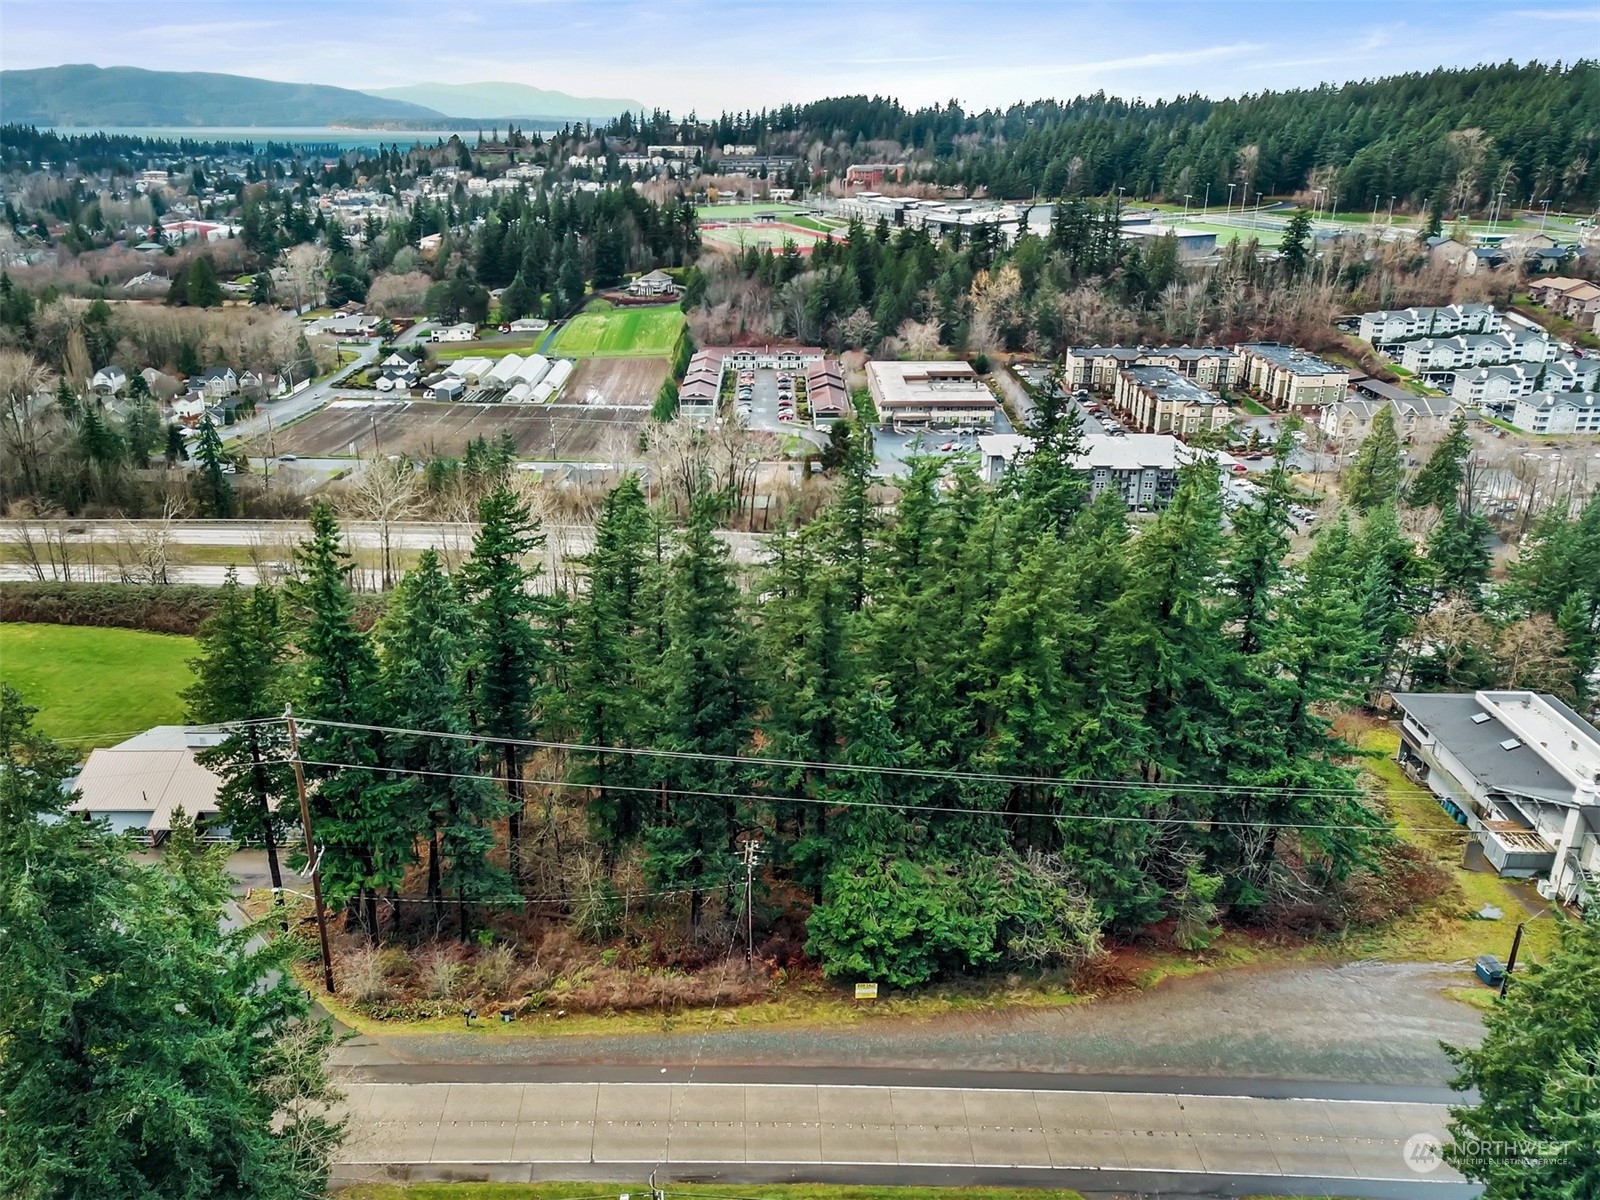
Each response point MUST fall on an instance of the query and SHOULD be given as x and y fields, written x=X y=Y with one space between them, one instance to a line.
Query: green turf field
x=620 y=333
x=96 y=686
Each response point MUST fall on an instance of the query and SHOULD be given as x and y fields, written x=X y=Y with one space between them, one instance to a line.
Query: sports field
x=620 y=333
x=96 y=686
x=769 y=235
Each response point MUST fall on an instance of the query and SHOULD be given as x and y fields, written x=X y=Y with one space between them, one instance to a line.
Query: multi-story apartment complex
x=1557 y=412
x=1402 y=324
x=1095 y=368
x=1433 y=355
x=1288 y=378
x=1160 y=400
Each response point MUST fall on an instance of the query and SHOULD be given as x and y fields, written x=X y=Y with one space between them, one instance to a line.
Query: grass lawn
x=1252 y=407
x=499 y=347
x=737 y=1191
x=96 y=686
x=620 y=333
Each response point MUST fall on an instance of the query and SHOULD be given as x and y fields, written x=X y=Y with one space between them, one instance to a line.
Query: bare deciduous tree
x=385 y=491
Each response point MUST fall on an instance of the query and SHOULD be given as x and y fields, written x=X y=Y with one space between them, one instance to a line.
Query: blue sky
x=715 y=54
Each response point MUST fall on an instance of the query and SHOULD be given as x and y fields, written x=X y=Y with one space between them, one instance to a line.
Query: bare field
x=625 y=382
x=423 y=429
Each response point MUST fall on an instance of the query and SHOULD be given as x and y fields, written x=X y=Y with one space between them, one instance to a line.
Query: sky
x=716 y=55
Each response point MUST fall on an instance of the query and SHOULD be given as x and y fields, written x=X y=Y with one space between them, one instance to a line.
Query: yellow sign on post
x=866 y=991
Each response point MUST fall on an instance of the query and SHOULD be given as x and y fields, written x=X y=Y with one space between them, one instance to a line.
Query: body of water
x=344 y=139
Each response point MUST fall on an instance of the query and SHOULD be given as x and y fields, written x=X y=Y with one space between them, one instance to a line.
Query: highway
x=870 y=1126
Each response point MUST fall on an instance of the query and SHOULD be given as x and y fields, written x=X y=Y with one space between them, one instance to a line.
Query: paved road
x=280 y=412
x=1024 y=1135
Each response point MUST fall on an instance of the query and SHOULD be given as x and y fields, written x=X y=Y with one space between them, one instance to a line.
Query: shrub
x=494 y=970
x=439 y=973
x=364 y=977
x=155 y=608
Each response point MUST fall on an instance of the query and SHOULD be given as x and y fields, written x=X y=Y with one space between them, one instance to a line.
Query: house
x=262 y=383
x=464 y=332
x=1289 y=378
x=109 y=380
x=930 y=393
x=188 y=410
x=397 y=361
x=1552 y=292
x=1160 y=400
x=1141 y=467
x=1521 y=770
x=701 y=384
x=346 y=324
x=136 y=785
x=216 y=383
x=528 y=325
x=656 y=283
x=1557 y=412
x=1447 y=252
x=451 y=387
x=162 y=386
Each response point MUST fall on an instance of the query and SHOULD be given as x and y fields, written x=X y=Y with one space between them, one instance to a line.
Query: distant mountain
x=503 y=100
x=111 y=97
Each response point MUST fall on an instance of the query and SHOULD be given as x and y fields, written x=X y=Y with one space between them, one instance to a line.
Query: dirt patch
x=424 y=429
x=618 y=382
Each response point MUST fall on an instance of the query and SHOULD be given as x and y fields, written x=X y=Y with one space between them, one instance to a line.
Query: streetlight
x=1228 y=212
x=1187 y=196
x=1316 y=201
x=1206 y=203
x=1391 y=209
x=1255 y=215
x=1546 y=215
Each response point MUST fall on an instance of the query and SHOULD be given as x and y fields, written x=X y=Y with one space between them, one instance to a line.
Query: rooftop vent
x=1510 y=744
x=1479 y=718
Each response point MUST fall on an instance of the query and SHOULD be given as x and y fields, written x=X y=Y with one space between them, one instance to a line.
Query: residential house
x=464 y=332
x=656 y=283
x=162 y=386
x=109 y=381
x=1289 y=378
x=930 y=393
x=1160 y=400
x=1521 y=770
x=702 y=382
x=217 y=383
x=1557 y=412
x=136 y=786
x=262 y=384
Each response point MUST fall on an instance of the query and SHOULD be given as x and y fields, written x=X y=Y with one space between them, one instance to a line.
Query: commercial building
x=1159 y=400
x=1141 y=467
x=930 y=393
x=1557 y=412
x=1521 y=770
x=825 y=391
x=1288 y=378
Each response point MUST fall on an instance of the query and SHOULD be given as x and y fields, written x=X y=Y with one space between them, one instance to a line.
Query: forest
x=992 y=729
x=1455 y=136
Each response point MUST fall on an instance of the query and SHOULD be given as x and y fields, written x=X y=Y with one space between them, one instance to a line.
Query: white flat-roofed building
x=930 y=393
x=1522 y=770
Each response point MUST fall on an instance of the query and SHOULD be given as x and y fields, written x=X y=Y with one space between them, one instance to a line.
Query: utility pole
x=750 y=851
x=313 y=860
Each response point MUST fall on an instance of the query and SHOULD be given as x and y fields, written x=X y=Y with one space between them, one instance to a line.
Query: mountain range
x=120 y=97
x=109 y=97
x=502 y=100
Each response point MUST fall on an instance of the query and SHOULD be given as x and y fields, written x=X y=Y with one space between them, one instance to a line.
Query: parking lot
x=765 y=402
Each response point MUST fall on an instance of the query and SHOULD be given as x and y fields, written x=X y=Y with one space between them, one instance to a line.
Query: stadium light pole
x=1228 y=212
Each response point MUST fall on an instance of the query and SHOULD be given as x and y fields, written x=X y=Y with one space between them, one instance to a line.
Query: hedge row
x=178 y=608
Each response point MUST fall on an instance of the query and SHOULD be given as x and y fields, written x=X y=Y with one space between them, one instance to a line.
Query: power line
x=1098 y=818
x=860 y=768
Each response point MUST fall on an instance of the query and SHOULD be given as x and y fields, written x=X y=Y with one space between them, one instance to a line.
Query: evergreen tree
x=150 y=1050
x=1534 y=1076
x=1374 y=476
x=216 y=492
x=708 y=707
x=1458 y=557
x=506 y=651
x=241 y=675
x=1440 y=478
x=422 y=644
x=1294 y=248
x=361 y=820
x=201 y=289
x=141 y=429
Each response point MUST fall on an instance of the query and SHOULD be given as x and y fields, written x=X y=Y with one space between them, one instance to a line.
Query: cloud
x=189 y=31
x=1165 y=58
x=1586 y=15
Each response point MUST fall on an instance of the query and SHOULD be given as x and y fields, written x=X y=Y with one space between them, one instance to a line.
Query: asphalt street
x=1041 y=1137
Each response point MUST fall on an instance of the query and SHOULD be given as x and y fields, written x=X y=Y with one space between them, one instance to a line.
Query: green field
x=96 y=686
x=620 y=333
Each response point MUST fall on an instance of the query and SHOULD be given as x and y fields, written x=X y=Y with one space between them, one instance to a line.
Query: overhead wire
x=1176 y=787
x=837 y=802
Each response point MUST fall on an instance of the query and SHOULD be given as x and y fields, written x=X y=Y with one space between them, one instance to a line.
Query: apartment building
x=1557 y=412
x=1476 y=350
x=1160 y=400
x=1289 y=378
x=1403 y=324
x=1142 y=467
x=1095 y=368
